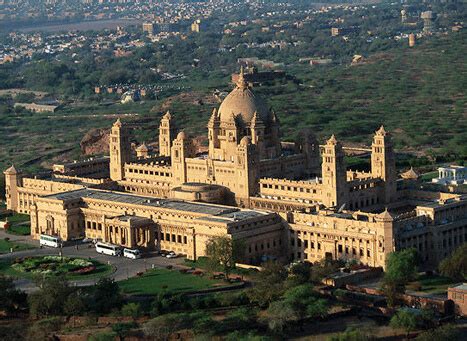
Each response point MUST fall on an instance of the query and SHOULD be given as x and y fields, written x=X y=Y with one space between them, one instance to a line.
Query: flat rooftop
x=234 y=216
x=120 y=197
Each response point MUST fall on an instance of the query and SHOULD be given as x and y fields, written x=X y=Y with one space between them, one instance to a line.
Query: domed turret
x=181 y=136
x=245 y=141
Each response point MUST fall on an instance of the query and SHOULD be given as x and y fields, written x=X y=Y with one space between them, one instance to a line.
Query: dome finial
x=241 y=82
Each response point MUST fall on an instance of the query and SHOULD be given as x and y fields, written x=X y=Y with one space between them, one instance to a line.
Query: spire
x=11 y=170
x=381 y=131
x=118 y=123
x=332 y=140
x=241 y=82
x=167 y=115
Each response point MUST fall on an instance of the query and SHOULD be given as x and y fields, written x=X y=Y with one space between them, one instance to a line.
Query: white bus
x=132 y=253
x=108 y=249
x=51 y=241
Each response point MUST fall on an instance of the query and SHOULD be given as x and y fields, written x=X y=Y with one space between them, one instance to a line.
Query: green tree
x=224 y=251
x=48 y=300
x=132 y=309
x=74 y=304
x=268 y=284
x=161 y=327
x=445 y=332
x=351 y=335
x=106 y=296
x=404 y=319
x=11 y=299
x=455 y=266
x=401 y=267
x=122 y=329
x=304 y=301
x=279 y=315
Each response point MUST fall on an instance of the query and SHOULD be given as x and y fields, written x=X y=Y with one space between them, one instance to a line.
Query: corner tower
x=13 y=180
x=167 y=132
x=334 y=174
x=120 y=152
x=383 y=163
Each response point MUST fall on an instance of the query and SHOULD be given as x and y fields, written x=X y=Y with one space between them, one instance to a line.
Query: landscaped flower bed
x=53 y=265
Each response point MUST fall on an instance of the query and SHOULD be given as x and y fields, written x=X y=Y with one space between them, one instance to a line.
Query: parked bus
x=51 y=241
x=132 y=253
x=108 y=249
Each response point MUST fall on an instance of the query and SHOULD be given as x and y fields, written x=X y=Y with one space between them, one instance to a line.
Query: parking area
x=124 y=267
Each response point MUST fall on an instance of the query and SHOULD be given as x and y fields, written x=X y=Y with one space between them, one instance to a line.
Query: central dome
x=244 y=103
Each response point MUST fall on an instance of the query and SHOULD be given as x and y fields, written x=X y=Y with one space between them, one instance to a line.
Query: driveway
x=123 y=267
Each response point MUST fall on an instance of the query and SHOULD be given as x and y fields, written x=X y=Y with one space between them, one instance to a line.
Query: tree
x=132 y=310
x=401 y=267
x=11 y=299
x=268 y=284
x=406 y=320
x=351 y=335
x=300 y=273
x=74 y=304
x=279 y=315
x=161 y=327
x=225 y=251
x=106 y=296
x=455 y=266
x=445 y=332
x=48 y=300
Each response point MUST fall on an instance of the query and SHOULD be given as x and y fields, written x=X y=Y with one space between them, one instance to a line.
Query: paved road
x=123 y=267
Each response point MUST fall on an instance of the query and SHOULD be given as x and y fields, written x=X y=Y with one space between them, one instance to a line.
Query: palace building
x=292 y=201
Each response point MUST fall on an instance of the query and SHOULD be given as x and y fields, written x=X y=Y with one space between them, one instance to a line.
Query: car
x=171 y=255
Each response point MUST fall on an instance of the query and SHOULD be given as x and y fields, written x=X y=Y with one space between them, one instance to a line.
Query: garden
x=72 y=268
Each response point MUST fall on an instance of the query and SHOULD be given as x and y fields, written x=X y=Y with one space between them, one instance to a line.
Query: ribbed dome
x=244 y=103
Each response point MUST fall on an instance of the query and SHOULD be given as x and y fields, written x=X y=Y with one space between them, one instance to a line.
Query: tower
x=247 y=166
x=334 y=174
x=13 y=180
x=182 y=148
x=307 y=144
x=120 y=152
x=257 y=128
x=213 y=133
x=167 y=132
x=383 y=162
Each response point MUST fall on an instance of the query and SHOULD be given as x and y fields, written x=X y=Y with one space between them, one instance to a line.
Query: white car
x=171 y=255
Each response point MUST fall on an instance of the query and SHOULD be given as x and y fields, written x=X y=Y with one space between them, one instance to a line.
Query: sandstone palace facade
x=288 y=201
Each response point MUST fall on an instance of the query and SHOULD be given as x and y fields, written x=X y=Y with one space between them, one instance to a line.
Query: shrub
x=103 y=336
x=132 y=310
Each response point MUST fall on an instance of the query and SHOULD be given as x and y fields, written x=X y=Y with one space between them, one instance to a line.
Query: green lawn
x=155 y=281
x=19 y=224
x=20 y=230
x=203 y=263
x=429 y=176
x=432 y=284
x=18 y=218
x=6 y=245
